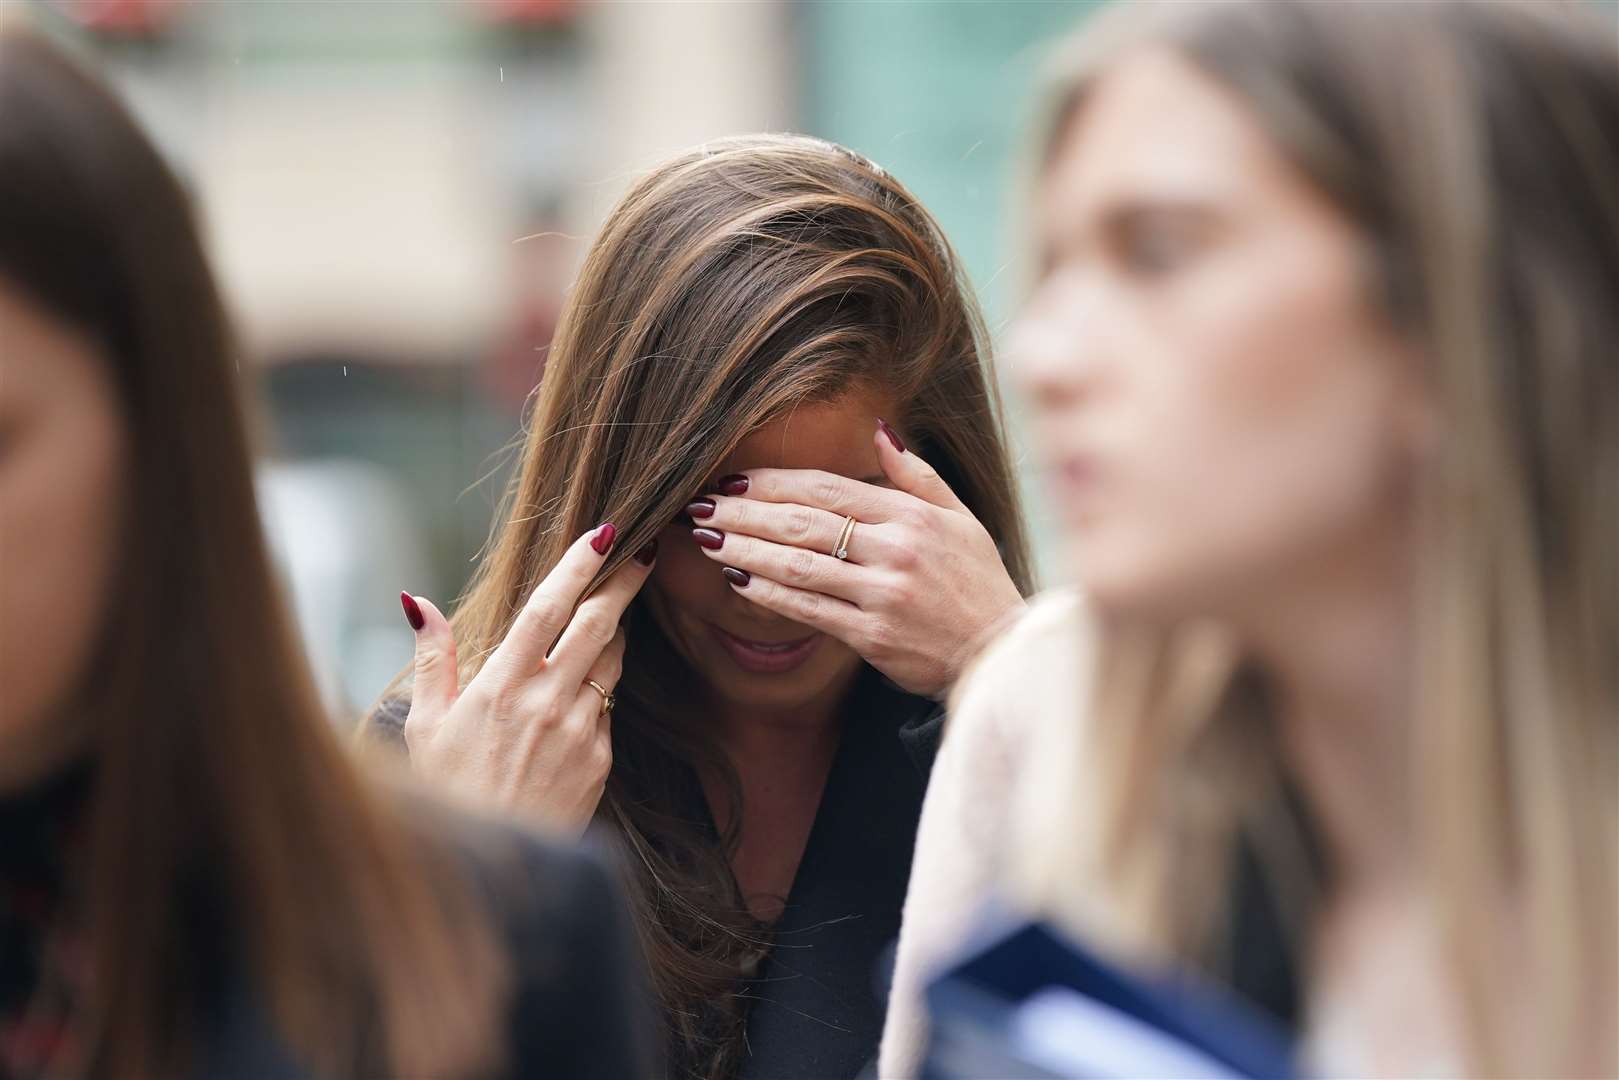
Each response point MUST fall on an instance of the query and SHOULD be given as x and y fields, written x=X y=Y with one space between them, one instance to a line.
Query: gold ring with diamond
x=608 y=700
x=840 y=550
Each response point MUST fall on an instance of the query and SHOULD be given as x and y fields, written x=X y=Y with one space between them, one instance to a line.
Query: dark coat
x=818 y=1001
x=580 y=1008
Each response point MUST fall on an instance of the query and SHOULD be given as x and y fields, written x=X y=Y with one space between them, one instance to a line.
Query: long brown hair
x=730 y=283
x=1475 y=145
x=226 y=822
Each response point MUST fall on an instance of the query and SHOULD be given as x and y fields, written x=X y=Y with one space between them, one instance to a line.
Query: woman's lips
x=767 y=657
x=1075 y=479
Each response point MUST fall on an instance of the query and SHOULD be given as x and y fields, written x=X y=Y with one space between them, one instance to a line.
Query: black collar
x=816 y=1008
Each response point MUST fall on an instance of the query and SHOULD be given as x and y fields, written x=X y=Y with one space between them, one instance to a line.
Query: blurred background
x=397 y=193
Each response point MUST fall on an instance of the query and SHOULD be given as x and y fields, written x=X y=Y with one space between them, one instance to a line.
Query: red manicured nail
x=413 y=611
x=712 y=539
x=647 y=554
x=893 y=436
x=701 y=508
x=735 y=484
x=602 y=542
x=736 y=577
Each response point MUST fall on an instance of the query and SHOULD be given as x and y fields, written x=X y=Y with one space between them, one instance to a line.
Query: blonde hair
x=1475 y=146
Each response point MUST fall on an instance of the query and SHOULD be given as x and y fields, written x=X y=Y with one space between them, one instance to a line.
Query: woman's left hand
x=923 y=584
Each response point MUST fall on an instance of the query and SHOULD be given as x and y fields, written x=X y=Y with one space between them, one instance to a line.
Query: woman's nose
x=1051 y=356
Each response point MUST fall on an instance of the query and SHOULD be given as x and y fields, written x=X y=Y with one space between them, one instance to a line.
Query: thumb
x=910 y=473
x=434 y=671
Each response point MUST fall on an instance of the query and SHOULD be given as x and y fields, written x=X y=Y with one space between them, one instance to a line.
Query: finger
x=822 y=490
x=910 y=473
x=594 y=625
x=826 y=613
x=607 y=670
x=795 y=567
x=549 y=607
x=784 y=523
x=434 y=673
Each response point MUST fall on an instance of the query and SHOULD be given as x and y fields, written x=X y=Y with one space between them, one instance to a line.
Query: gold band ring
x=608 y=700
x=840 y=550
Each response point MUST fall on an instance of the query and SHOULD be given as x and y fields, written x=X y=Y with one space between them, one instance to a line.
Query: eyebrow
x=1121 y=212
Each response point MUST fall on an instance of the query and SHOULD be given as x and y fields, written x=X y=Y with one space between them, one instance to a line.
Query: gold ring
x=608 y=700
x=840 y=550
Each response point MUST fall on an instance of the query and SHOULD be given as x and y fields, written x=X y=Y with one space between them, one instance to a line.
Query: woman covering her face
x=193 y=878
x=767 y=455
x=1321 y=357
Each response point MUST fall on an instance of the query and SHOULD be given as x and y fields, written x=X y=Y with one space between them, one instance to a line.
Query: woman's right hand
x=528 y=735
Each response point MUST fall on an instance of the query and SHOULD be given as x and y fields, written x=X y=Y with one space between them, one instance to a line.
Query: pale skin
x=62 y=452
x=528 y=733
x=1231 y=428
x=779 y=729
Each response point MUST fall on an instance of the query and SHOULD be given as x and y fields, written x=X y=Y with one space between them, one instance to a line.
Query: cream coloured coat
x=996 y=822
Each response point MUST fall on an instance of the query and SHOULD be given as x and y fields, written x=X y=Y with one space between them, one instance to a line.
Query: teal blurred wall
x=940 y=93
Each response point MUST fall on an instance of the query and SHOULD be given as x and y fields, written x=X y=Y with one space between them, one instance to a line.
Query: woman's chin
x=822 y=678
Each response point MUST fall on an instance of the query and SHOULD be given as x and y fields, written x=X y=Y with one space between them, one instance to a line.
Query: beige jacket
x=998 y=820
x=1031 y=678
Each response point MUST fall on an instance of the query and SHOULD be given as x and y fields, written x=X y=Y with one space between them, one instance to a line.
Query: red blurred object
x=531 y=12
x=135 y=18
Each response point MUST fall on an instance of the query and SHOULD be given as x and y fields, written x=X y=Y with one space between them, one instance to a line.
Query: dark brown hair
x=730 y=283
x=226 y=820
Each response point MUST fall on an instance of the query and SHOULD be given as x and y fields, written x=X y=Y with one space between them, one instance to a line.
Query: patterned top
x=44 y=962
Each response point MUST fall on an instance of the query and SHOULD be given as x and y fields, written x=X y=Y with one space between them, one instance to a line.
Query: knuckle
x=544 y=610
x=600 y=759
x=540 y=708
x=808 y=605
x=890 y=591
x=824 y=490
x=800 y=567
x=797 y=524
x=551 y=717
x=596 y=625
x=502 y=704
x=431 y=661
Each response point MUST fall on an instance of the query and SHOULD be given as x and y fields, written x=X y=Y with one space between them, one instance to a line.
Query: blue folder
x=1029 y=1001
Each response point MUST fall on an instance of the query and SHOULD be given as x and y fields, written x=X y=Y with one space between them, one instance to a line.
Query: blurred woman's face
x=749 y=657
x=1219 y=407
x=61 y=448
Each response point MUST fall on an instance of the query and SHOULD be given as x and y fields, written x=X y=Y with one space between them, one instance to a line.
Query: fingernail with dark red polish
x=712 y=539
x=647 y=554
x=736 y=577
x=413 y=611
x=893 y=436
x=602 y=542
x=735 y=484
x=700 y=508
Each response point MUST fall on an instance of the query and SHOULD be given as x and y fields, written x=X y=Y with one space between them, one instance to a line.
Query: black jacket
x=580 y=1008
x=818 y=1000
